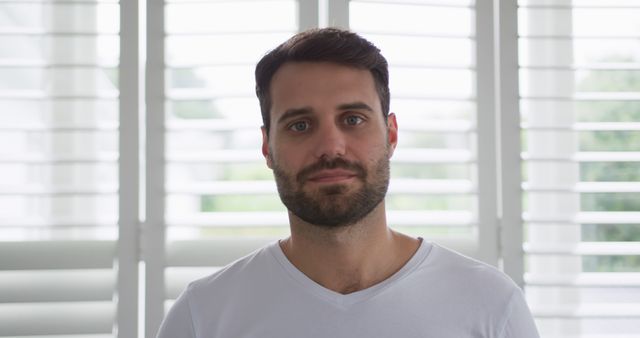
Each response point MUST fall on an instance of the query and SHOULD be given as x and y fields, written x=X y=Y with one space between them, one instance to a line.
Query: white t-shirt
x=438 y=294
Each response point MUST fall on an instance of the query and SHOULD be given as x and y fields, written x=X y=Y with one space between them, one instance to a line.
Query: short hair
x=323 y=45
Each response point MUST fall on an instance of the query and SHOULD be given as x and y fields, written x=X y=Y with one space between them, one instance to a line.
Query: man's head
x=322 y=45
x=329 y=139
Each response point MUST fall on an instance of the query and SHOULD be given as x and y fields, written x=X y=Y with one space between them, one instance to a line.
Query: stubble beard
x=333 y=205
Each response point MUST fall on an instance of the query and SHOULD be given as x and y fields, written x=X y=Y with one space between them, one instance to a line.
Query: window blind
x=58 y=167
x=431 y=50
x=221 y=200
x=579 y=70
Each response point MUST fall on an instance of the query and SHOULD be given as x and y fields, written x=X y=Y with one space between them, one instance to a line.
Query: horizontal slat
x=34 y=255
x=431 y=66
x=601 y=156
x=605 y=335
x=187 y=64
x=33 y=222
x=435 y=98
x=58 y=191
x=41 y=95
x=424 y=125
x=417 y=186
x=599 y=96
x=584 y=248
x=417 y=34
x=431 y=218
x=585 y=279
x=274 y=218
x=588 y=66
x=397 y=186
x=104 y=157
x=212 y=32
x=190 y=2
x=20 y=319
x=587 y=187
x=588 y=126
x=607 y=126
x=587 y=217
x=56 y=286
x=105 y=335
x=611 y=4
x=45 y=64
x=213 y=252
x=233 y=219
x=414 y=155
x=224 y=188
x=219 y=156
x=47 y=33
x=580 y=37
x=592 y=310
x=103 y=127
x=426 y=3
x=212 y=125
x=62 y=2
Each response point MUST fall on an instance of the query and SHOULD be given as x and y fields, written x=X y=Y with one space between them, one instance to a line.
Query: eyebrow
x=293 y=112
x=355 y=106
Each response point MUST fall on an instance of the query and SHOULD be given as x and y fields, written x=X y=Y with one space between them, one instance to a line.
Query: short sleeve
x=519 y=322
x=178 y=322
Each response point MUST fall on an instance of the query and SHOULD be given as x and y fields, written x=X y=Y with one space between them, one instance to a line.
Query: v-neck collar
x=341 y=300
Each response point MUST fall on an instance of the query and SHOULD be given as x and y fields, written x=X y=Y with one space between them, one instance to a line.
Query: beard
x=333 y=205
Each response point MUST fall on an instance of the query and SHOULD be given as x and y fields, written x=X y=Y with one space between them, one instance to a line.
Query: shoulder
x=208 y=303
x=480 y=291
x=235 y=274
x=209 y=297
x=457 y=268
x=457 y=279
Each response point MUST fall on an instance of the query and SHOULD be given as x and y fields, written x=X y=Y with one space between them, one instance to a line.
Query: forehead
x=321 y=85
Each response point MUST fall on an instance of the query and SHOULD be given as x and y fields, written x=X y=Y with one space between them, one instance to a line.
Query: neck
x=350 y=258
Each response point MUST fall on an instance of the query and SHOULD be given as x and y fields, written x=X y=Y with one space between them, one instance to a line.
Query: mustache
x=304 y=174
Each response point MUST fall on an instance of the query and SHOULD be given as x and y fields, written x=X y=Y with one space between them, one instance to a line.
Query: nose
x=330 y=142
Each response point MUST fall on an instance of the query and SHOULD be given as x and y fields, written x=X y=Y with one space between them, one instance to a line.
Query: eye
x=353 y=120
x=299 y=126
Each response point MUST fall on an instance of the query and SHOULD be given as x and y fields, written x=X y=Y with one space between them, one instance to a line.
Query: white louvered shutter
x=58 y=167
x=580 y=106
x=431 y=49
x=221 y=200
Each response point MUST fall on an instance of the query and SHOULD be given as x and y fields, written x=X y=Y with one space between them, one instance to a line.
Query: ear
x=392 y=130
x=265 y=147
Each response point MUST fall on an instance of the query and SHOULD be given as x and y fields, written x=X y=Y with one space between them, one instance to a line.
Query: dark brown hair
x=323 y=45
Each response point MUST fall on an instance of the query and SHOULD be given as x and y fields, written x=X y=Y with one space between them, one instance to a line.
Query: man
x=328 y=137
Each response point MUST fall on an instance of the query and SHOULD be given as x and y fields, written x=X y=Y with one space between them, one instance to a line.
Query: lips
x=332 y=175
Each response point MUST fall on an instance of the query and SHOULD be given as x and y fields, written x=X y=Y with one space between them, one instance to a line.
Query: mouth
x=332 y=176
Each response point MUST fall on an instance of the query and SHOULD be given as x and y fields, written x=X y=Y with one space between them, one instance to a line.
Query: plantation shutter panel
x=61 y=262
x=219 y=200
x=580 y=108
x=443 y=185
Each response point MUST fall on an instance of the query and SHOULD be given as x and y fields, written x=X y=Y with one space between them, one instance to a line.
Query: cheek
x=295 y=147
x=286 y=159
x=370 y=149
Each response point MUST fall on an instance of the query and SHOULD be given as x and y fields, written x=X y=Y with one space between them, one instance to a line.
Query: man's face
x=329 y=144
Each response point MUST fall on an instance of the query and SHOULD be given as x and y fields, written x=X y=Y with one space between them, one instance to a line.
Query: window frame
x=141 y=251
